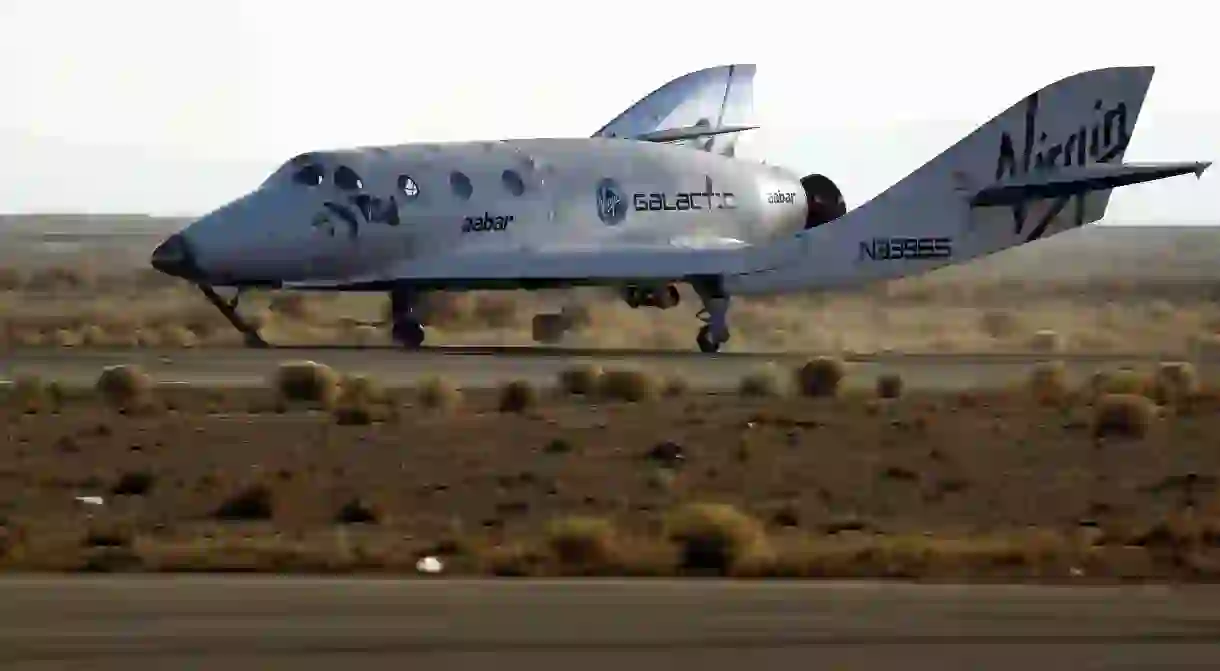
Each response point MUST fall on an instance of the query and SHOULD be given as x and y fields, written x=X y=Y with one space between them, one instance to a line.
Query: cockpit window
x=309 y=175
x=347 y=179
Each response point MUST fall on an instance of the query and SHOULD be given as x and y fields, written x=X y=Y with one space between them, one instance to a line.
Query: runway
x=477 y=367
x=239 y=623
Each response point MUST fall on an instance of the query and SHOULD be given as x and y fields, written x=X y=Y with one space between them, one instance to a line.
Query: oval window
x=462 y=187
x=512 y=182
x=408 y=187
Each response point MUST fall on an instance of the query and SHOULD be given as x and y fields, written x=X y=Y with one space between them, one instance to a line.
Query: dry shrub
x=30 y=394
x=714 y=537
x=134 y=483
x=125 y=387
x=1048 y=383
x=889 y=385
x=1122 y=381
x=820 y=377
x=1123 y=415
x=1175 y=382
x=629 y=385
x=363 y=387
x=518 y=396
x=360 y=400
x=307 y=382
x=581 y=379
x=438 y=393
x=582 y=544
x=1045 y=340
x=765 y=382
x=357 y=511
x=251 y=503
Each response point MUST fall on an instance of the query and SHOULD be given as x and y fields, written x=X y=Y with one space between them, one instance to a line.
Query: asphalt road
x=238 y=623
x=488 y=366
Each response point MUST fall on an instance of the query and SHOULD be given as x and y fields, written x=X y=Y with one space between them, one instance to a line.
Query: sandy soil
x=986 y=484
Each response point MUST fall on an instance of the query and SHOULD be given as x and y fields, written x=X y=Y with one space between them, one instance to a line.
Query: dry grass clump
x=632 y=386
x=581 y=379
x=1122 y=381
x=582 y=545
x=820 y=377
x=438 y=393
x=31 y=394
x=766 y=382
x=714 y=537
x=255 y=502
x=125 y=387
x=517 y=396
x=360 y=400
x=889 y=385
x=1048 y=383
x=307 y=382
x=1123 y=415
x=1045 y=340
x=1175 y=382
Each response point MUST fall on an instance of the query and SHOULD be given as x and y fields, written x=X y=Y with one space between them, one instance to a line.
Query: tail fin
x=1045 y=165
x=712 y=98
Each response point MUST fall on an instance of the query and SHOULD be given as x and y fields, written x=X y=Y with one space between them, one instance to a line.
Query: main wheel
x=672 y=297
x=408 y=334
x=705 y=341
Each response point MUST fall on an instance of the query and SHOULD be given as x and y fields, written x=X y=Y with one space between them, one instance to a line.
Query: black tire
x=705 y=342
x=675 y=297
x=408 y=334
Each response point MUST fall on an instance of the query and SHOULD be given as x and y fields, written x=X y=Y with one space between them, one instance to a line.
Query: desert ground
x=625 y=473
x=70 y=283
x=618 y=472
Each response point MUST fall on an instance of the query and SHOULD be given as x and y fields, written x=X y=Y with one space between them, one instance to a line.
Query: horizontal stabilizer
x=688 y=133
x=1067 y=182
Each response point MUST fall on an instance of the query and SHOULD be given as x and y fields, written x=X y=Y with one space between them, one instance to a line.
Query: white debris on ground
x=429 y=565
x=91 y=500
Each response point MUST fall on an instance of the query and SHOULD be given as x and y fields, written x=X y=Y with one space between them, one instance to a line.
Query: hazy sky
x=173 y=106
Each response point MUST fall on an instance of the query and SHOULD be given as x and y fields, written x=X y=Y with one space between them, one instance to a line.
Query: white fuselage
x=338 y=214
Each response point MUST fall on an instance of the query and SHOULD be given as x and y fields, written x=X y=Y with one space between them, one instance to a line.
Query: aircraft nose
x=174 y=257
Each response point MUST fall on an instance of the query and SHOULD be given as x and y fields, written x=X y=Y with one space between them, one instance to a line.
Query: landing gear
x=405 y=325
x=229 y=310
x=715 y=314
x=665 y=297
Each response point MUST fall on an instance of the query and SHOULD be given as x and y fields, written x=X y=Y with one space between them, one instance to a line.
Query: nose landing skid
x=229 y=310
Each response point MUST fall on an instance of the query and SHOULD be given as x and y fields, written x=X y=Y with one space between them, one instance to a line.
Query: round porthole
x=512 y=182
x=408 y=187
x=460 y=183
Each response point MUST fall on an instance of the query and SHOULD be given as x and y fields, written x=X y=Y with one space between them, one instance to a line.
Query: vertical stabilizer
x=712 y=97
